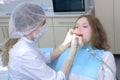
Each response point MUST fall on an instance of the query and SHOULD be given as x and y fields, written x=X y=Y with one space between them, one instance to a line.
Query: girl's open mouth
x=81 y=35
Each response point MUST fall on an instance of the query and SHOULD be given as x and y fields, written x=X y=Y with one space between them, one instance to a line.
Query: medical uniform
x=26 y=62
x=86 y=67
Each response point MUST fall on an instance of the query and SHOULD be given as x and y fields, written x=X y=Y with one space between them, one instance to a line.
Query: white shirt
x=104 y=72
x=26 y=62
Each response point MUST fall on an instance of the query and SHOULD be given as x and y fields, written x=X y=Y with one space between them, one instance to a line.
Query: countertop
x=52 y=14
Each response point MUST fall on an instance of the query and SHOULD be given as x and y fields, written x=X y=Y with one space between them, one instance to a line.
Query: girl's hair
x=99 y=37
x=8 y=45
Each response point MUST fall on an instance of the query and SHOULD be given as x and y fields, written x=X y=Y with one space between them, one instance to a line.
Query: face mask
x=43 y=29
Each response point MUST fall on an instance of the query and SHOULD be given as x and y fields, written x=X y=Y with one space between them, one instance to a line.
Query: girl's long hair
x=7 y=46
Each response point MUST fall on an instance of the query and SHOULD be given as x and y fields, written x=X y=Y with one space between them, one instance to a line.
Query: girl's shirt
x=86 y=66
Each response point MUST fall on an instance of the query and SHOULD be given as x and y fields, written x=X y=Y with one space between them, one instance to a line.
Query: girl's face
x=83 y=29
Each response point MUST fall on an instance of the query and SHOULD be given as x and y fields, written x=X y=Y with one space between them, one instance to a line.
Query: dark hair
x=99 y=36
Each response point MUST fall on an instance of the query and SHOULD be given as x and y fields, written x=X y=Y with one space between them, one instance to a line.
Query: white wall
x=47 y=5
x=92 y=3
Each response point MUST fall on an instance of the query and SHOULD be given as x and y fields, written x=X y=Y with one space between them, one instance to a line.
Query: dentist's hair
x=7 y=46
x=99 y=36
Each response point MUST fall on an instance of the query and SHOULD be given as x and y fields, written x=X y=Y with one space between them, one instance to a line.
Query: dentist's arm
x=74 y=45
x=63 y=46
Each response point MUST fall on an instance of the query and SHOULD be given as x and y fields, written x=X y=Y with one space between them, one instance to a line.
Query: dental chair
x=3 y=71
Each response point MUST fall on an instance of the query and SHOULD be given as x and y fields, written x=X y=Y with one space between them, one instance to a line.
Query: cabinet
x=109 y=15
x=3 y=29
x=47 y=39
x=61 y=26
x=57 y=29
x=55 y=35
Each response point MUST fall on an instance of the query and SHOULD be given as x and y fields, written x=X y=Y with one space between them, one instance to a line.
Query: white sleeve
x=110 y=61
x=33 y=66
x=47 y=57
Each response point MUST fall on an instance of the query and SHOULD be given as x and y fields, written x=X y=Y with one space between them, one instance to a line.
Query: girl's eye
x=85 y=26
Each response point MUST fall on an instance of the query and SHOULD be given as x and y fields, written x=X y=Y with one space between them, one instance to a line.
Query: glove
x=75 y=44
x=67 y=40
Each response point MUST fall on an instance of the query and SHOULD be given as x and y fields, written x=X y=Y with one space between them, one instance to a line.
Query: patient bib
x=84 y=63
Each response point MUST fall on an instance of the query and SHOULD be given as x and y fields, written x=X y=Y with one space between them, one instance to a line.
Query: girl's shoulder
x=108 y=55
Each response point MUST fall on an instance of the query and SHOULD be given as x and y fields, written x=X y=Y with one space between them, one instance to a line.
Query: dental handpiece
x=76 y=43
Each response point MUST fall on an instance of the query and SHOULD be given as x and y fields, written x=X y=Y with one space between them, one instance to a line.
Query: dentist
x=24 y=59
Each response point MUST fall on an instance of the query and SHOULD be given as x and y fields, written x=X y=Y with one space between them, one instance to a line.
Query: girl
x=93 y=61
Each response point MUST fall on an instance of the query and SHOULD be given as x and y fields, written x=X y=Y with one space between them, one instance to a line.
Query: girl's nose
x=79 y=28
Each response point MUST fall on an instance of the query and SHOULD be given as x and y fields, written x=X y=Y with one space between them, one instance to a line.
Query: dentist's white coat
x=26 y=62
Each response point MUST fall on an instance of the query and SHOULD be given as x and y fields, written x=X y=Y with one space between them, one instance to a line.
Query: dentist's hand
x=69 y=37
x=74 y=46
x=76 y=43
x=67 y=40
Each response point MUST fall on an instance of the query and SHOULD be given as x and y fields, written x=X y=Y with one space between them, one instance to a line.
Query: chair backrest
x=3 y=73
